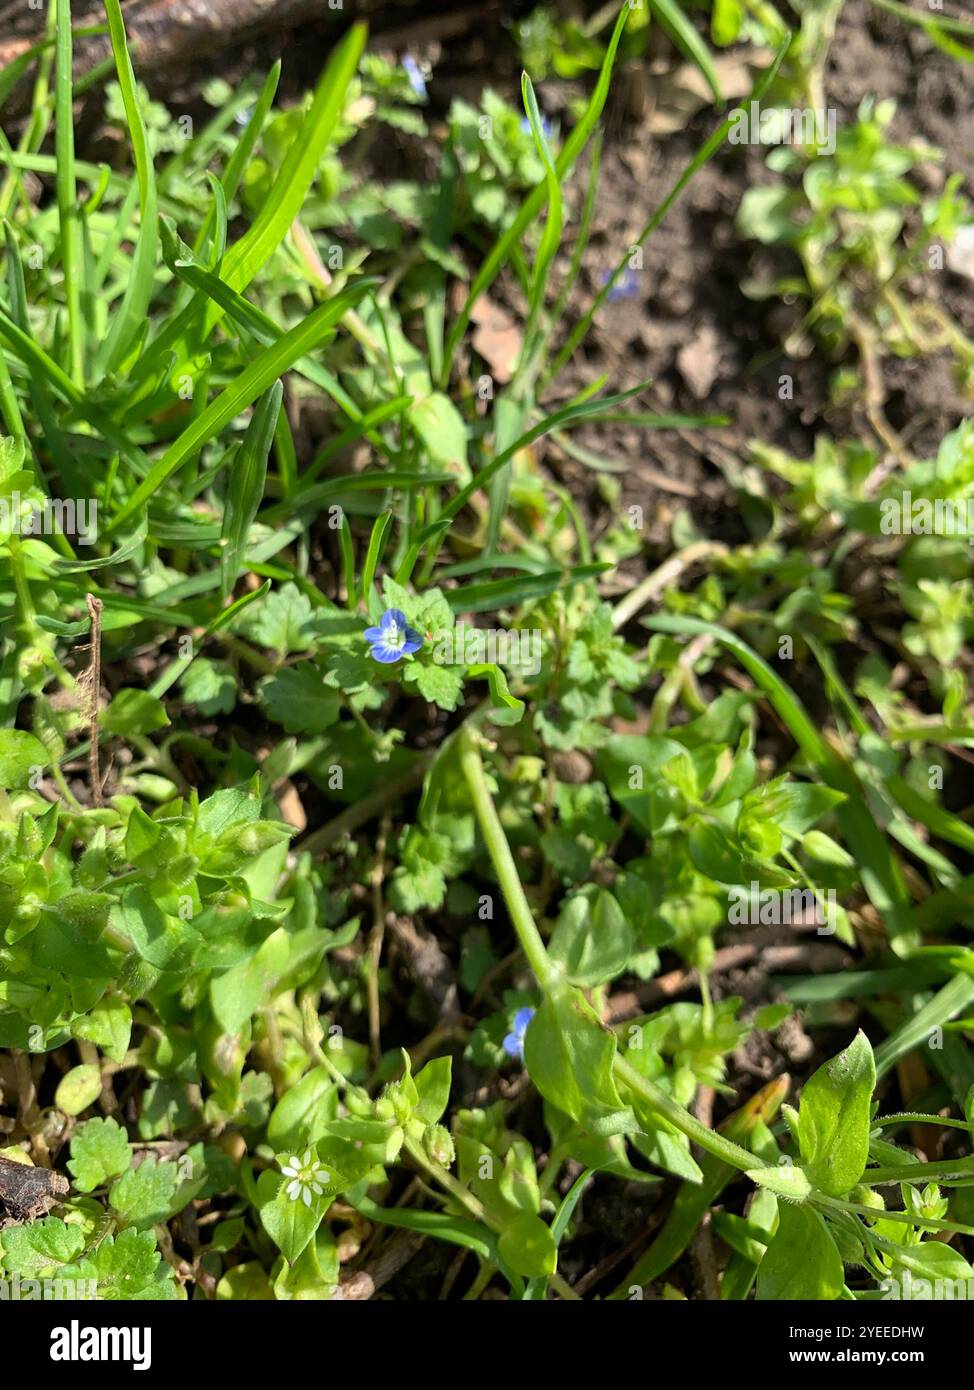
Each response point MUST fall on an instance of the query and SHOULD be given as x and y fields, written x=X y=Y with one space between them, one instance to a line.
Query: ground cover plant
x=414 y=861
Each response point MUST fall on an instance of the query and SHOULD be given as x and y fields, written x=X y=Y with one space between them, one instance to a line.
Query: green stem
x=545 y=971
x=25 y=602
x=550 y=977
x=946 y=1171
x=671 y=1110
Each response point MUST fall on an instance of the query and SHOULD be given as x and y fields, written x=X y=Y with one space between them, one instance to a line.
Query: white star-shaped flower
x=307 y=1176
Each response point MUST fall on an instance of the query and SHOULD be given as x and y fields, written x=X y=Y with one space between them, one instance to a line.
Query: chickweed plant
x=348 y=792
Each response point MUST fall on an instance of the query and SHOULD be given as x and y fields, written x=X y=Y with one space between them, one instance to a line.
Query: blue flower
x=415 y=74
x=514 y=1042
x=626 y=287
x=547 y=130
x=393 y=638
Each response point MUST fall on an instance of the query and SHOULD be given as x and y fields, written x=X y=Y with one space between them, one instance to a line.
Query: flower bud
x=438 y=1143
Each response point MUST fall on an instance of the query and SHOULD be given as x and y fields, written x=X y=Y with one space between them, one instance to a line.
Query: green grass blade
x=67 y=193
x=674 y=22
x=252 y=382
x=347 y=547
x=510 y=593
x=286 y=198
x=947 y=1003
x=373 y=555
x=532 y=205
x=130 y=318
x=246 y=486
x=371 y=420
x=574 y=413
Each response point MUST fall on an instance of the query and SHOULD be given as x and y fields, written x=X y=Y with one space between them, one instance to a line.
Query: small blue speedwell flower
x=547 y=129
x=514 y=1042
x=416 y=77
x=393 y=638
x=626 y=287
x=307 y=1176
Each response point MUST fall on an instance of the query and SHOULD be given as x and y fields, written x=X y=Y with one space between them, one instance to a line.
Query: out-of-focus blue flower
x=546 y=127
x=514 y=1042
x=415 y=74
x=626 y=287
x=393 y=638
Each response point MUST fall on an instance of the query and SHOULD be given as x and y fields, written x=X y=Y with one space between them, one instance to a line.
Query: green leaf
x=527 y=1246
x=298 y=699
x=680 y=29
x=715 y=854
x=440 y=426
x=134 y=712
x=510 y=593
x=528 y=212
x=441 y=685
x=569 y=1056
x=802 y=1261
x=242 y=391
x=282 y=621
x=784 y=1180
x=99 y=1151
x=38 y=1251
x=285 y=200
x=592 y=938
x=507 y=708
x=108 y=1026
x=238 y=993
x=20 y=754
x=300 y=1115
x=794 y=806
x=433 y=1088
x=209 y=685
x=127 y=1267
x=78 y=1088
x=288 y=1221
x=833 y=1120
x=144 y=1195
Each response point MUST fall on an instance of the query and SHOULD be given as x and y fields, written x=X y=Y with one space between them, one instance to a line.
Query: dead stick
x=93 y=685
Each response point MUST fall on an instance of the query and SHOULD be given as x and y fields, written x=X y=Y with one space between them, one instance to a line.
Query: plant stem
x=550 y=977
x=545 y=971
x=671 y=1110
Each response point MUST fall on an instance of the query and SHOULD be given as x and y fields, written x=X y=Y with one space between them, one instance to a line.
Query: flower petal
x=386 y=654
